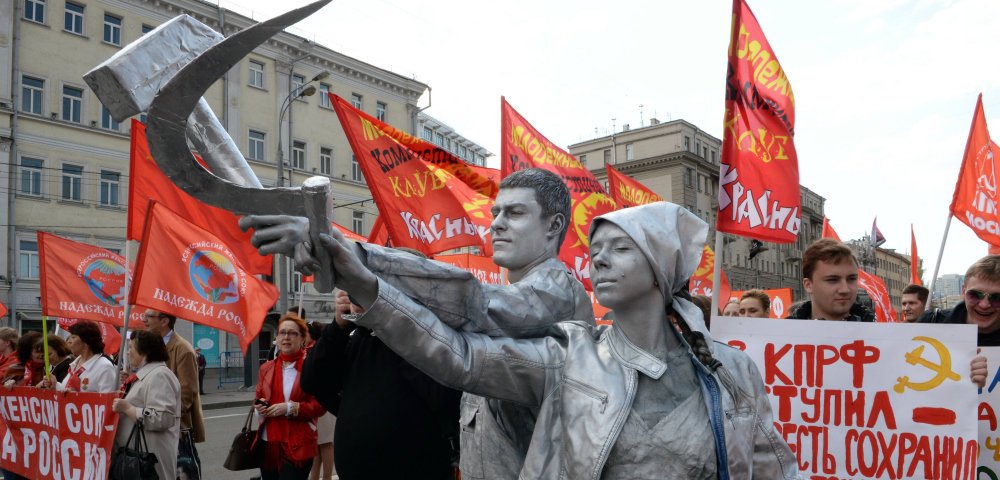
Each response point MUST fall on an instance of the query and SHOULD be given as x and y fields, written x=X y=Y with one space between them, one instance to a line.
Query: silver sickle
x=167 y=121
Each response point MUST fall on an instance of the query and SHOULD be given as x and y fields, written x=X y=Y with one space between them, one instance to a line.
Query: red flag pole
x=717 y=273
x=937 y=264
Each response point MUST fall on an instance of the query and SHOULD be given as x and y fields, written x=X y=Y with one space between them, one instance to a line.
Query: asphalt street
x=220 y=427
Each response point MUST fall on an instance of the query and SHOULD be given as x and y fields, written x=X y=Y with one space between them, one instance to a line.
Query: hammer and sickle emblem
x=942 y=371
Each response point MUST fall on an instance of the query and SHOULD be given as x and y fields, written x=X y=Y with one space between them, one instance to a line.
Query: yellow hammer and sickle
x=942 y=372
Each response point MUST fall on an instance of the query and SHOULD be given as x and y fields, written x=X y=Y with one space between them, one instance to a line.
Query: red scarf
x=30 y=370
x=277 y=427
x=73 y=381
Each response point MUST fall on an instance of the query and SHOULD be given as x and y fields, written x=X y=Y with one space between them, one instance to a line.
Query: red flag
x=429 y=200
x=3 y=310
x=186 y=271
x=379 y=235
x=704 y=276
x=350 y=234
x=482 y=267
x=112 y=339
x=914 y=259
x=521 y=146
x=147 y=183
x=828 y=231
x=80 y=281
x=880 y=296
x=975 y=200
x=627 y=192
x=759 y=171
x=992 y=249
x=876 y=239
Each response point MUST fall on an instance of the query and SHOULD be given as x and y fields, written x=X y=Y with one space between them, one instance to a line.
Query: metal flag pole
x=128 y=308
x=937 y=264
x=717 y=274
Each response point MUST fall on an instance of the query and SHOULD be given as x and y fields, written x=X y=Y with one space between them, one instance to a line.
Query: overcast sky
x=884 y=89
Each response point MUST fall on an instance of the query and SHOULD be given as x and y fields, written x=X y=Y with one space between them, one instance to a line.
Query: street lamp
x=300 y=91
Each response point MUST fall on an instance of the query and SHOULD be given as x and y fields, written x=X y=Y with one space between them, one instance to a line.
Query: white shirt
x=288 y=376
x=99 y=375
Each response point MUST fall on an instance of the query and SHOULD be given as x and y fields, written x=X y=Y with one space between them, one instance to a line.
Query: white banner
x=989 y=405
x=867 y=400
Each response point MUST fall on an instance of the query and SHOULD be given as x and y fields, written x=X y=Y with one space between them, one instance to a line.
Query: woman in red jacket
x=289 y=414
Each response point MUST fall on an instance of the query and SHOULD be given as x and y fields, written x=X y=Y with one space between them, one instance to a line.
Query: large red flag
x=109 y=334
x=81 y=281
x=828 y=231
x=914 y=259
x=759 y=171
x=627 y=192
x=975 y=200
x=704 y=275
x=781 y=299
x=521 y=146
x=884 y=312
x=147 y=182
x=186 y=271
x=429 y=200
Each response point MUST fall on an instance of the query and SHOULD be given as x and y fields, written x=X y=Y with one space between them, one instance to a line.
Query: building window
x=73 y=18
x=438 y=139
x=701 y=183
x=34 y=10
x=324 y=95
x=687 y=144
x=356 y=174
x=629 y=152
x=688 y=177
x=463 y=152
x=704 y=152
x=356 y=100
x=110 y=186
x=72 y=104
x=358 y=221
x=112 y=29
x=428 y=134
x=107 y=121
x=607 y=156
x=297 y=82
x=27 y=253
x=146 y=29
x=714 y=160
x=298 y=155
x=72 y=182
x=325 y=160
x=256 y=74
x=31 y=95
x=697 y=146
x=583 y=160
x=255 y=145
x=380 y=111
x=31 y=176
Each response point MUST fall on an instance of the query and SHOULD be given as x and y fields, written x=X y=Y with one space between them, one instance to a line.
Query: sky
x=884 y=89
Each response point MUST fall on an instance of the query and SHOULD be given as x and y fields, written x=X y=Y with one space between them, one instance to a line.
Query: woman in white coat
x=154 y=399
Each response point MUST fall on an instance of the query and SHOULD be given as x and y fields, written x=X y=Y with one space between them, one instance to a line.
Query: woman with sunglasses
x=288 y=431
x=639 y=399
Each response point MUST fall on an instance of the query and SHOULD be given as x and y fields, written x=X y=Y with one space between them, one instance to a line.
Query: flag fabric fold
x=109 y=334
x=81 y=281
x=147 y=182
x=884 y=312
x=974 y=202
x=759 y=194
x=701 y=282
x=828 y=231
x=627 y=192
x=876 y=239
x=186 y=271
x=428 y=199
x=521 y=147
x=914 y=259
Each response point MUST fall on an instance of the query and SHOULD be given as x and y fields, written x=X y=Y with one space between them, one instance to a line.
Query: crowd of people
x=433 y=375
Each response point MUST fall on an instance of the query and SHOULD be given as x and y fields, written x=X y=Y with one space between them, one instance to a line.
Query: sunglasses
x=975 y=296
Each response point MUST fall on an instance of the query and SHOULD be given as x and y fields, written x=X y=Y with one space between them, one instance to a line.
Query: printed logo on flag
x=212 y=274
x=105 y=277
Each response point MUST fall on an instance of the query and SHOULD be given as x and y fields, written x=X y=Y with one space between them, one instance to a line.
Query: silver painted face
x=518 y=231
x=619 y=271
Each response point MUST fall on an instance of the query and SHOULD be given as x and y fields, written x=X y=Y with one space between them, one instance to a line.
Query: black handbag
x=136 y=463
x=243 y=454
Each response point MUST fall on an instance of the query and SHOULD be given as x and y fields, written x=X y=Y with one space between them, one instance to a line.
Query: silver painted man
x=531 y=215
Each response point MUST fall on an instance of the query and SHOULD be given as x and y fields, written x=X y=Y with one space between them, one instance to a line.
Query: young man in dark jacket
x=830 y=276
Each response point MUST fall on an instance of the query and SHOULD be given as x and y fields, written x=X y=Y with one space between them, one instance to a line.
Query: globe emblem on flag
x=213 y=277
x=106 y=280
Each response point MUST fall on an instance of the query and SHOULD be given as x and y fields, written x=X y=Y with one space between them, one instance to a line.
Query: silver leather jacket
x=583 y=379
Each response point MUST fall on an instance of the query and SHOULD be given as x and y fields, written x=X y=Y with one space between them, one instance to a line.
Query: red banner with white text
x=147 y=182
x=82 y=281
x=884 y=311
x=626 y=191
x=429 y=200
x=759 y=192
x=49 y=435
x=186 y=271
x=521 y=146
x=975 y=200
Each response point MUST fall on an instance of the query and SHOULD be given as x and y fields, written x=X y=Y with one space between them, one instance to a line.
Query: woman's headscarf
x=672 y=239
